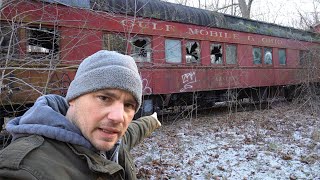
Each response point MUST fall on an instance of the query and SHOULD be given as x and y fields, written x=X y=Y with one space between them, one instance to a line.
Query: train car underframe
x=165 y=103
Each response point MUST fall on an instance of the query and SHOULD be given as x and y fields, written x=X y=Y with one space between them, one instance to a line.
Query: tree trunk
x=245 y=8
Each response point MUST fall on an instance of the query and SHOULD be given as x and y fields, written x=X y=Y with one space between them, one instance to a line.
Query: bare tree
x=233 y=7
x=245 y=8
x=308 y=19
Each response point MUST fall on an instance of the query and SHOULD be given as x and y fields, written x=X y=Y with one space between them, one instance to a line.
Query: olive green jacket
x=37 y=157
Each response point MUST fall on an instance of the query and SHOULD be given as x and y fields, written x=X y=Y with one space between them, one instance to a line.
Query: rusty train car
x=184 y=54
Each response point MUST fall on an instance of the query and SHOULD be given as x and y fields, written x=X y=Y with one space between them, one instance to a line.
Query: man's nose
x=116 y=113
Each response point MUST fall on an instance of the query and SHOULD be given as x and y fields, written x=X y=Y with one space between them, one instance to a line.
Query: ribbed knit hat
x=106 y=70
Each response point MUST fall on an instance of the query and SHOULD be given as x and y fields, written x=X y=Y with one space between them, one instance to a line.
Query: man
x=88 y=134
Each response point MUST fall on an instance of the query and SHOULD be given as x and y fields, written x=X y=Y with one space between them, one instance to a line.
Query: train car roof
x=73 y=3
x=184 y=14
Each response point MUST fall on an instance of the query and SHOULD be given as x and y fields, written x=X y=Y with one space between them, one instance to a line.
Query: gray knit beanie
x=103 y=70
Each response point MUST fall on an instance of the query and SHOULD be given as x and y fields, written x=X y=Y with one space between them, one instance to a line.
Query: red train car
x=184 y=54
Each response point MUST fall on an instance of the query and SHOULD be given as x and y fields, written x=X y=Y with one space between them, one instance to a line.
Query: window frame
x=263 y=54
x=149 y=53
x=181 y=50
x=236 y=54
x=224 y=53
x=104 y=44
x=285 y=53
x=306 y=53
x=221 y=51
x=186 y=54
x=6 y=30
x=29 y=49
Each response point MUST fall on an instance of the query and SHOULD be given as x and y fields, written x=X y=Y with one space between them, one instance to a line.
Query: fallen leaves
x=279 y=143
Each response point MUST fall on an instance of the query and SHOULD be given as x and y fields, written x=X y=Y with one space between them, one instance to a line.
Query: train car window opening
x=141 y=49
x=192 y=52
x=304 y=57
x=173 y=51
x=115 y=42
x=8 y=41
x=216 y=53
x=257 y=55
x=282 y=57
x=42 y=42
x=267 y=56
x=231 y=54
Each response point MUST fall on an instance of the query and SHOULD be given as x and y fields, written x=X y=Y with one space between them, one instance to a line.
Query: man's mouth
x=109 y=133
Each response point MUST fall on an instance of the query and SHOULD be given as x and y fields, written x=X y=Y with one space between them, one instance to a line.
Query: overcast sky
x=283 y=12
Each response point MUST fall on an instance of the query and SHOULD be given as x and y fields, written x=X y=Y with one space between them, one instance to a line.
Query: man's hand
x=154 y=115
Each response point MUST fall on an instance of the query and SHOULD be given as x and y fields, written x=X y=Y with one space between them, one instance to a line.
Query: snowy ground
x=279 y=143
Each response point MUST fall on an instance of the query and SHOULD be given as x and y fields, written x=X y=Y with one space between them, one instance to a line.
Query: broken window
x=141 y=49
x=42 y=42
x=268 y=56
x=216 y=53
x=282 y=57
x=8 y=41
x=173 y=51
x=115 y=42
x=193 y=52
x=231 y=54
x=256 y=52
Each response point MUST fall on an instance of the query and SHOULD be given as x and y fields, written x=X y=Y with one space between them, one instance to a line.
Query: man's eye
x=103 y=98
x=131 y=106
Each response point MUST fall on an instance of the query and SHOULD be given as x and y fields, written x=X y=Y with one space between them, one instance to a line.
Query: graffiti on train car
x=188 y=79
x=146 y=89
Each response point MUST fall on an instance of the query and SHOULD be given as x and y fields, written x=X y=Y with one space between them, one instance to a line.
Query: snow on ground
x=278 y=143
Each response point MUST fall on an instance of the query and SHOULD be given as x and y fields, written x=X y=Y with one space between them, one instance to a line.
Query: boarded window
x=173 y=51
x=256 y=52
x=231 y=54
x=216 y=54
x=42 y=42
x=192 y=52
x=282 y=57
x=268 y=56
x=8 y=41
x=115 y=42
x=141 y=49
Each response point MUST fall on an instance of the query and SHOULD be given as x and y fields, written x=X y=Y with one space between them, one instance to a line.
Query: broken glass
x=141 y=49
x=216 y=55
x=192 y=52
x=42 y=42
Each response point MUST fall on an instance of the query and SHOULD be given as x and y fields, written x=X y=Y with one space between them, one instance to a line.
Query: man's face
x=103 y=116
